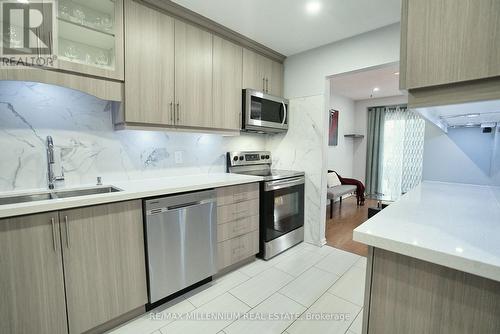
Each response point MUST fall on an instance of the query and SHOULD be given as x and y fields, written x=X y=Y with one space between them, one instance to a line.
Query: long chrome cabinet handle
x=178 y=111
x=66 y=222
x=267 y=85
x=171 y=112
x=53 y=222
x=264 y=84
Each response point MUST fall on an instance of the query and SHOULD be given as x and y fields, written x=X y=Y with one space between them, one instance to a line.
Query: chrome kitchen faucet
x=50 y=164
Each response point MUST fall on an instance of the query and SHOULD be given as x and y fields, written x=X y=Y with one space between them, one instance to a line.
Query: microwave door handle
x=286 y=114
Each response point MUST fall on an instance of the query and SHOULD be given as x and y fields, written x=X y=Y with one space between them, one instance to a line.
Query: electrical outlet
x=179 y=157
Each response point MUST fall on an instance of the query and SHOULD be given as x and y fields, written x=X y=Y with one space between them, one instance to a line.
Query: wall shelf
x=354 y=136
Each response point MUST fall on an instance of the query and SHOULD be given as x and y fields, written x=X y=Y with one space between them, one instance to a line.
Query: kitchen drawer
x=231 y=212
x=234 y=250
x=237 y=227
x=235 y=194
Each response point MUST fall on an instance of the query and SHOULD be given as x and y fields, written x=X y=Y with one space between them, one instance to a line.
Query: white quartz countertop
x=453 y=225
x=135 y=189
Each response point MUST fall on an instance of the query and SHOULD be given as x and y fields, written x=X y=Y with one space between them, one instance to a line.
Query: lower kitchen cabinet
x=104 y=263
x=31 y=276
x=237 y=223
x=100 y=250
x=237 y=249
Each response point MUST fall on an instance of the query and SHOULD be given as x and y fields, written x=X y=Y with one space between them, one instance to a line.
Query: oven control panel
x=248 y=158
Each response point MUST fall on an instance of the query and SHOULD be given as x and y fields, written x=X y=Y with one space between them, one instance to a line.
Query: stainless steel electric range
x=281 y=201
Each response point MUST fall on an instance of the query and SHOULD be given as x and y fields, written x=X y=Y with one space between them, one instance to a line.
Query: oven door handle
x=280 y=184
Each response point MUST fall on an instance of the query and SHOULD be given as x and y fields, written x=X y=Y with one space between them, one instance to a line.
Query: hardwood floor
x=346 y=217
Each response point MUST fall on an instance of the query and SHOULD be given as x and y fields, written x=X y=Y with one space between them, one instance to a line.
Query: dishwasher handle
x=157 y=211
x=186 y=205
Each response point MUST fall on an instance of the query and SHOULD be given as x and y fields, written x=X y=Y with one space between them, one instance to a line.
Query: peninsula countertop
x=134 y=189
x=453 y=225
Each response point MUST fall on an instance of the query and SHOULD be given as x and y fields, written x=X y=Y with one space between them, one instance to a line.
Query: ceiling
x=287 y=27
x=467 y=114
x=359 y=85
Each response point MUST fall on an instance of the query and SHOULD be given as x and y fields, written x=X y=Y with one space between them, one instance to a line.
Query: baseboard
x=115 y=323
x=235 y=266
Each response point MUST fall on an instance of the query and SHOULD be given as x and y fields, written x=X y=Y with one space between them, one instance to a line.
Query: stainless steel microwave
x=264 y=113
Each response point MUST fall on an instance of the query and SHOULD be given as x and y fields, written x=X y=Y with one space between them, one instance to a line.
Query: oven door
x=282 y=207
x=265 y=112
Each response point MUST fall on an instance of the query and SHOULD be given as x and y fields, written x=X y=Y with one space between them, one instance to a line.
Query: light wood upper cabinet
x=31 y=276
x=262 y=74
x=149 y=67
x=227 y=84
x=193 y=76
x=449 y=41
x=182 y=77
x=89 y=37
x=256 y=69
x=104 y=264
x=276 y=79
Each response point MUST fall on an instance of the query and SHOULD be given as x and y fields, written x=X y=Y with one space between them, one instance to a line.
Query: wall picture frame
x=333 y=133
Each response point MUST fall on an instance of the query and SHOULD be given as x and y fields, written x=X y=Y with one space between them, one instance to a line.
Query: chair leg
x=331 y=208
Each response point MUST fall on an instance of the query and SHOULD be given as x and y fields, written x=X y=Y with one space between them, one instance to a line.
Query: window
x=395 y=151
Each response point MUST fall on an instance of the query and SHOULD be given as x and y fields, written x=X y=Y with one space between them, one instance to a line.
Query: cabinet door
x=31 y=276
x=193 y=76
x=89 y=37
x=104 y=264
x=149 y=65
x=275 y=85
x=227 y=84
x=450 y=41
x=256 y=69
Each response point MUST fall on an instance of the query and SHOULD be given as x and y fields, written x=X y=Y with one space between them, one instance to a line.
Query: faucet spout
x=50 y=164
x=50 y=150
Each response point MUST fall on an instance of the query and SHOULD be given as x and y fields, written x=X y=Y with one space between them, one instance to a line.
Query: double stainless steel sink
x=50 y=195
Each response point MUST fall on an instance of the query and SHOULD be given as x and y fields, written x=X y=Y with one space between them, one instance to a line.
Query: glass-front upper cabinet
x=90 y=37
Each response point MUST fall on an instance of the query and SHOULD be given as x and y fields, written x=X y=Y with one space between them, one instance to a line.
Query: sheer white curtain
x=403 y=148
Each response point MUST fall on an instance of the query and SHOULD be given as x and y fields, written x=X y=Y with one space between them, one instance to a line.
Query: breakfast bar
x=434 y=262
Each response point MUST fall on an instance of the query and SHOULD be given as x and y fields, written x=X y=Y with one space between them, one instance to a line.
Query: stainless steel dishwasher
x=181 y=241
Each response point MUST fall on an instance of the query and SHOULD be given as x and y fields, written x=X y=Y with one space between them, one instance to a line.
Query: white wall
x=463 y=155
x=361 y=127
x=305 y=72
x=340 y=157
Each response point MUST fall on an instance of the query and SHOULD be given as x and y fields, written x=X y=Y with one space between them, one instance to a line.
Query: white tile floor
x=305 y=290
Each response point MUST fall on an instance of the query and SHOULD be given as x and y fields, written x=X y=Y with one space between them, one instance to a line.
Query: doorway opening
x=353 y=95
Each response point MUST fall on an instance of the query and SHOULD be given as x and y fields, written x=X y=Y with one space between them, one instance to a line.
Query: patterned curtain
x=402 y=146
x=403 y=151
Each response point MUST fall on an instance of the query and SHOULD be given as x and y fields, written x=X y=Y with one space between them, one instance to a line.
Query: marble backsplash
x=303 y=148
x=88 y=147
